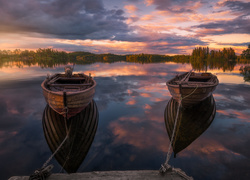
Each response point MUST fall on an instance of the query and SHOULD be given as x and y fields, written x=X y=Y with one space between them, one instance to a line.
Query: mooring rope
x=74 y=138
x=165 y=166
x=45 y=171
x=191 y=92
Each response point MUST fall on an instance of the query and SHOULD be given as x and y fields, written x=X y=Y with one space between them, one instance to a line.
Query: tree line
x=203 y=53
x=246 y=53
x=201 y=57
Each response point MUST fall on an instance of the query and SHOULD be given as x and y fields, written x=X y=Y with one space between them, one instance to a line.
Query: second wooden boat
x=68 y=94
x=192 y=88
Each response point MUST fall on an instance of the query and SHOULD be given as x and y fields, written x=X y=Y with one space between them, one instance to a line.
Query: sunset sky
x=125 y=26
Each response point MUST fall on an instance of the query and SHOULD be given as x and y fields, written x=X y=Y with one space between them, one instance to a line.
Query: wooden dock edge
x=111 y=175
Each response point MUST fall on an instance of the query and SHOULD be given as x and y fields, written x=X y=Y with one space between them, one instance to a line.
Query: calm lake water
x=131 y=135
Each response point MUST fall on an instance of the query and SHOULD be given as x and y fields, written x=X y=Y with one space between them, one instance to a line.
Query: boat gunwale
x=68 y=93
x=187 y=85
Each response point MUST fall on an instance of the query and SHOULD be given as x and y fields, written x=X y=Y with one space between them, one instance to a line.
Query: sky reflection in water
x=131 y=99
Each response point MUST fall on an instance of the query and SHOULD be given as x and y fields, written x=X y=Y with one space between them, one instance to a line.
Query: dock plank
x=112 y=175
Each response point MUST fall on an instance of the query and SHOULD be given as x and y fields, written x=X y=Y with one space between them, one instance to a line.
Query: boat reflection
x=82 y=129
x=191 y=122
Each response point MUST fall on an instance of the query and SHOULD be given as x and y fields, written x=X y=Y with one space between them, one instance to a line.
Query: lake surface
x=131 y=135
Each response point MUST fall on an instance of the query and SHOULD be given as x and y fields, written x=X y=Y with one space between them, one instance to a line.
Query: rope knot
x=165 y=168
x=41 y=174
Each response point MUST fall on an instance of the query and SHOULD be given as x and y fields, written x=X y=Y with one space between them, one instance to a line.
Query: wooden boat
x=82 y=129
x=192 y=87
x=66 y=90
x=191 y=122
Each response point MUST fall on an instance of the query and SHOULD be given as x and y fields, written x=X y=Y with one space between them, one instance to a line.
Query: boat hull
x=75 y=101
x=191 y=93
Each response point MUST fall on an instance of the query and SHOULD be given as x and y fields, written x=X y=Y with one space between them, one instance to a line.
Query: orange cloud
x=130 y=119
x=125 y=70
x=147 y=18
x=131 y=8
x=244 y=116
x=140 y=137
x=107 y=45
x=204 y=148
x=204 y=32
x=177 y=19
x=148 y=2
x=154 y=99
x=159 y=89
x=146 y=95
x=131 y=102
x=147 y=107
x=129 y=91
x=154 y=29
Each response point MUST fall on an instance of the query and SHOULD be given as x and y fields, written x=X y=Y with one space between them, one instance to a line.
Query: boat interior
x=194 y=78
x=76 y=82
x=200 y=77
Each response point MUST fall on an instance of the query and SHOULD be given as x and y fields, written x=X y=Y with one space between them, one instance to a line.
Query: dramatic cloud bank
x=142 y=26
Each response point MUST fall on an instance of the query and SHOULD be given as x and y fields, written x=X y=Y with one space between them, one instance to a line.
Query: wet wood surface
x=111 y=175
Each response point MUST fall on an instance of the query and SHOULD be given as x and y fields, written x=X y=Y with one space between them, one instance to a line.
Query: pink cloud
x=130 y=119
x=131 y=102
x=147 y=106
x=146 y=95
x=131 y=8
x=147 y=17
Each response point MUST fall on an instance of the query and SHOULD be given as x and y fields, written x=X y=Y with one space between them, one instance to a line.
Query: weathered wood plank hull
x=199 y=94
x=191 y=122
x=192 y=92
x=76 y=100
x=75 y=103
x=82 y=129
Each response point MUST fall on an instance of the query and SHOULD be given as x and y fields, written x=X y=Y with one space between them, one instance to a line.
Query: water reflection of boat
x=66 y=90
x=82 y=129
x=191 y=122
x=195 y=87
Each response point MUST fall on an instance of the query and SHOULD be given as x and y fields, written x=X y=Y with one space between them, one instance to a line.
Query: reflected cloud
x=129 y=137
x=241 y=115
x=140 y=137
x=145 y=95
x=147 y=107
x=131 y=102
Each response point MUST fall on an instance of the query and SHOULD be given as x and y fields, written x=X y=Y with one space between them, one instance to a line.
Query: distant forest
x=201 y=57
